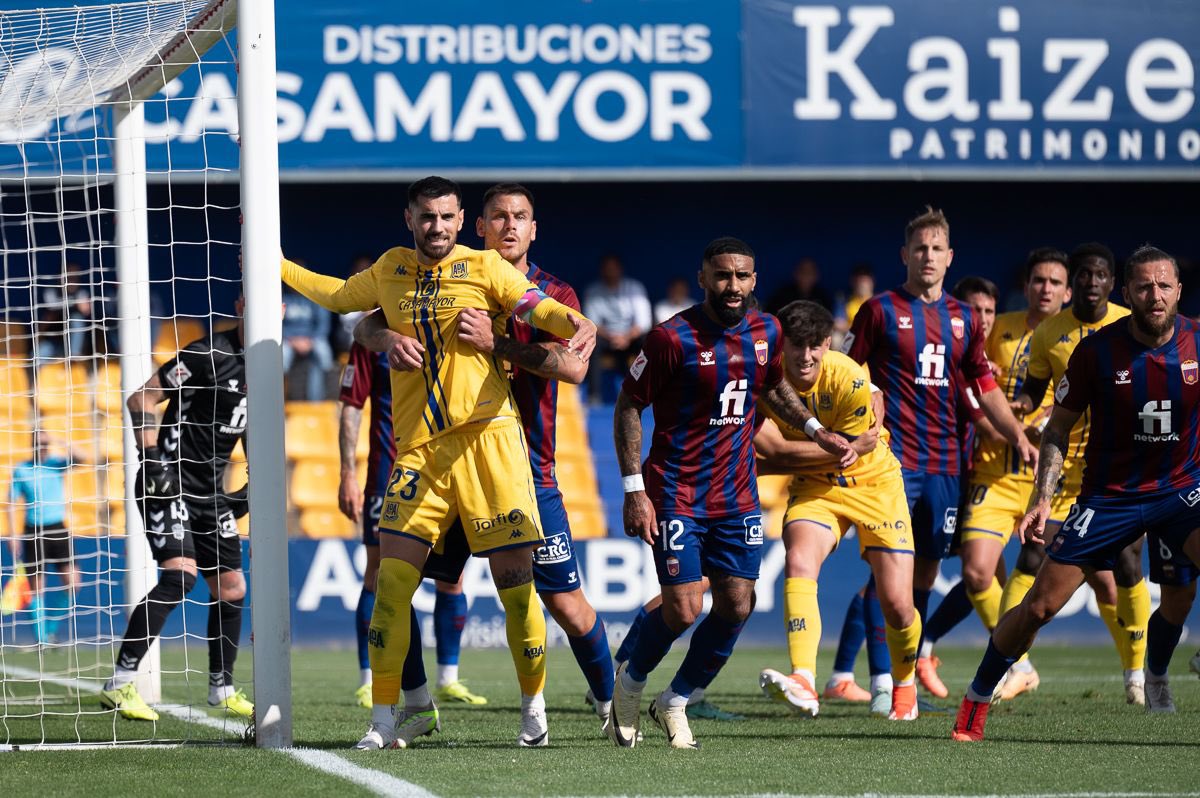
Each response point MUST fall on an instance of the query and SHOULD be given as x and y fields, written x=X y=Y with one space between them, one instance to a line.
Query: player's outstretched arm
x=1050 y=465
x=775 y=454
x=350 y=495
x=360 y=292
x=550 y=360
x=638 y=512
x=998 y=412
x=403 y=353
x=782 y=399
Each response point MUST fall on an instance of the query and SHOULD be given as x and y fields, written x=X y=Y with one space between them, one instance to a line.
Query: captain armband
x=524 y=308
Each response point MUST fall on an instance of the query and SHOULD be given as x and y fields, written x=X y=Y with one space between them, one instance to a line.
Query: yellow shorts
x=879 y=509
x=1069 y=486
x=993 y=508
x=480 y=474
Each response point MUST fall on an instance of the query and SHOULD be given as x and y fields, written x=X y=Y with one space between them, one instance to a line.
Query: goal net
x=107 y=276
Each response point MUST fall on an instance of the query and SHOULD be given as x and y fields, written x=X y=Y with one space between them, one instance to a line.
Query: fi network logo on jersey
x=1156 y=422
x=733 y=405
x=932 y=361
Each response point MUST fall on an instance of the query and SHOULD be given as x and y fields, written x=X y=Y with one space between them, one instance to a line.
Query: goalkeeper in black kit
x=190 y=520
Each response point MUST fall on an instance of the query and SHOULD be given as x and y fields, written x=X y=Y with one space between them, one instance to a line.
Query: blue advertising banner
x=368 y=86
x=1019 y=87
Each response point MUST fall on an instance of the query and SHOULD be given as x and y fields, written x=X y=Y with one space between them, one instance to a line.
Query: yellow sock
x=1018 y=584
x=802 y=619
x=902 y=645
x=390 y=628
x=526 y=628
x=1108 y=614
x=1133 y=613
x=987 y=603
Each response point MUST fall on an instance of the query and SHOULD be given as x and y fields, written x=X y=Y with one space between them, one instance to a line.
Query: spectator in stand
x=306 y=338
x=862 y=288
x=678 y=298
x=621 y=310
x=343 y=328
x=805 y=284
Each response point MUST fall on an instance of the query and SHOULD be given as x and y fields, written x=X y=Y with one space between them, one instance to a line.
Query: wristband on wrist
x=812 y=427
x=632 y=483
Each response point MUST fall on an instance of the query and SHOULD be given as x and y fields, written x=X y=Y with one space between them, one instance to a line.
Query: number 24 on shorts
x=1078 y=519
x=409 y=490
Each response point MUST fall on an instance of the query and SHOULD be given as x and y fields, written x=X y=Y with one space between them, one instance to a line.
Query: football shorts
x=50 y=544
x=178 y=528
x=479 y=473
x=690 y=548
x=993 y=508
x=1169 y=565
x=933 y=505
x=878 y=509
x=1097 y=528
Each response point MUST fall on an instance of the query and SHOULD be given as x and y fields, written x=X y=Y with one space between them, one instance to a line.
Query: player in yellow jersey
x=824 y=501
x=460 y=448
x=1001 y=484
x=1124 y=605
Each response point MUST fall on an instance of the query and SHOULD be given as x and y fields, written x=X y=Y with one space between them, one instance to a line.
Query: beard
x=1149 y=327
x=436 y=250
x=729 y=316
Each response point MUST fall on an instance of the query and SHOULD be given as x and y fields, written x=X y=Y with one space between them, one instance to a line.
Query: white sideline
x=374 y=781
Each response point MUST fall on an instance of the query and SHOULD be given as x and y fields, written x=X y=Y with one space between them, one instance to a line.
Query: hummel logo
x=905 y=322
x=1123 y=377
x=156 y=517
x=158 y=542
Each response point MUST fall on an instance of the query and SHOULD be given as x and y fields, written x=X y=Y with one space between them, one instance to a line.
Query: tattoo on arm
x=627 y=434
x=513 y=577
x=1050 y=461
x=351 y=420
x=141 y=419
x=540 y=360
x=371 y=332
x=787 y=405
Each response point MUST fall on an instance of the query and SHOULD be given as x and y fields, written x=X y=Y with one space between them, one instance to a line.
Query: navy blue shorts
x=555 y=569
x=1096 y=528
x=933 y=504
x=690 y=548
x=372 y=510
x=1169 y=565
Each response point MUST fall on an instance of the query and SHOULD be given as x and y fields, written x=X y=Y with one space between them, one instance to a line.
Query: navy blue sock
x=991 y=670
x=854 y=632
x=413 y=675
x=362 y=622
x=954 y=609
x=712 y=645
x=653 y=643
x=449 y=618
x=879 y=659
x=921 y=605
x=591 y=652
x=1162 y=637
x=631 y=637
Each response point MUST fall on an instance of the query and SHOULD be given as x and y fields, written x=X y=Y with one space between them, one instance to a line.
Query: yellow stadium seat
x=61 y=388
x=83 y=500
x=315 y=483
x=108 y=388
x=174 y=335
x=310 y=431
x=326 y=522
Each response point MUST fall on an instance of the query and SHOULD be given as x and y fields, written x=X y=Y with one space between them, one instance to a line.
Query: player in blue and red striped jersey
x=366 y=376
x=703 y=370
x=1140 y=379
x=923 y=347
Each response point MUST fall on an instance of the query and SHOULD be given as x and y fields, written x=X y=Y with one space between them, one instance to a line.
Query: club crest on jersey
x=1123 y=377
x=958 y=327
x=707 y=358
x=905 y=322
x=760 y=351
x=1191 y=371
x=458 y=271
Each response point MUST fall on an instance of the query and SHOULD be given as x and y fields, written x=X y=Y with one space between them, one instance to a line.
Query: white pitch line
x=375 y=781
x=895 y=795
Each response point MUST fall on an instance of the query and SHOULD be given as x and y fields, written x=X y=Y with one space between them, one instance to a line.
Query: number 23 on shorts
x=409 y=489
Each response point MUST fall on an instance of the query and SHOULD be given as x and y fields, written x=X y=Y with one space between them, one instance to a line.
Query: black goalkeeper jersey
x=206 y=413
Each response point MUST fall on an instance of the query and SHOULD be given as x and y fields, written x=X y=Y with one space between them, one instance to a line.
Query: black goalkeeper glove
x=156 y=479
x=239 y=501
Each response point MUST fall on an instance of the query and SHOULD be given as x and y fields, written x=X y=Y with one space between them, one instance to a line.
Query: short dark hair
x=975 y=285
x=504 y=190
x=727 y=245
x=930 y=217
x=433 y=187
x=1092 y=249
x=1044 y=255
x=1147 y=254
x=806 y=323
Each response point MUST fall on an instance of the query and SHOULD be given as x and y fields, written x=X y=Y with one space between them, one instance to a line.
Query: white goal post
x=73 y=88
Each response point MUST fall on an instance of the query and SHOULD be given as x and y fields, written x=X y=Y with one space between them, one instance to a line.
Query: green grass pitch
x=1075 y=735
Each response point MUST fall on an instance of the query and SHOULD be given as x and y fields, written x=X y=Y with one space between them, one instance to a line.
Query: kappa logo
x=1007 y=336
x=707 y=358
x=1064 y=339
x=905 y=322
x=1123 y=377
x=858 y=384
x=402 y=270
x=458 y=271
